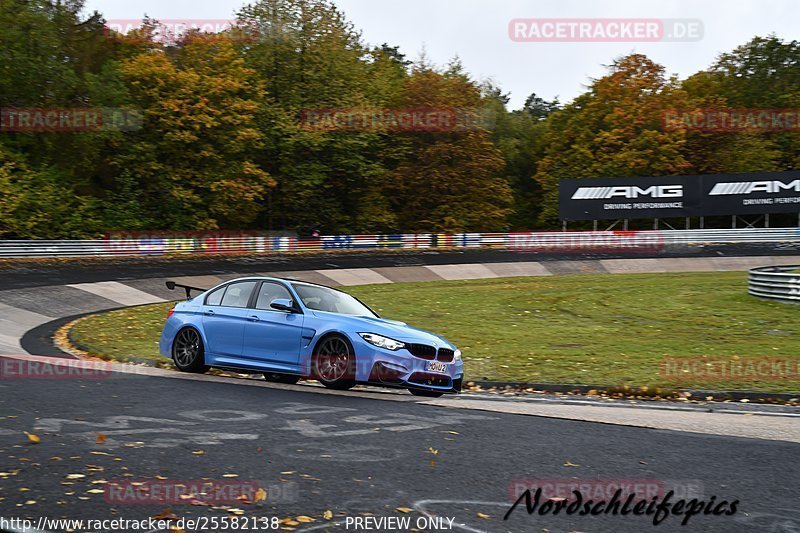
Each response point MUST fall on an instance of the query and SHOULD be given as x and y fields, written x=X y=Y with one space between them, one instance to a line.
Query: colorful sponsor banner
x=211 y=242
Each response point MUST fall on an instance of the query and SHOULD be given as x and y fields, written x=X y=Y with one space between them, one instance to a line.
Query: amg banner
x=679 y=196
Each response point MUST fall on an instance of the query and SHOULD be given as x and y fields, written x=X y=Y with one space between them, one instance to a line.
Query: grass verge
x=587 y=329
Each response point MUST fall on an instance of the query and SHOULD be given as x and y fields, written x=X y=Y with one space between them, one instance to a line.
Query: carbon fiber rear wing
x=188 y=288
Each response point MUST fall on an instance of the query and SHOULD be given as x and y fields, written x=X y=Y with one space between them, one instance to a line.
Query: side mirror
x=282 y=304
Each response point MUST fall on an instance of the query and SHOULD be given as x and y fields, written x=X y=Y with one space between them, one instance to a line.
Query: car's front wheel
x=288 y=379
x=187 y=351
x=425 y=393
x=334 y=363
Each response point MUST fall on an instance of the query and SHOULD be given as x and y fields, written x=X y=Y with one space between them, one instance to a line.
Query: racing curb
x=693 y=394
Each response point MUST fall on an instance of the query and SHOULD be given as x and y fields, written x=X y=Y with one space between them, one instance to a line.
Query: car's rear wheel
x=188 y=352
x=425 y=393
x=288 y=379
x=334 y=363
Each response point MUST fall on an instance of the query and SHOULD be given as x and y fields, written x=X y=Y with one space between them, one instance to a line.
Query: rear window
x=215 y=296
x=238 y=294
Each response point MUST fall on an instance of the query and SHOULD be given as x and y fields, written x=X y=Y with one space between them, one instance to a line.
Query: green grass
x=598 y=329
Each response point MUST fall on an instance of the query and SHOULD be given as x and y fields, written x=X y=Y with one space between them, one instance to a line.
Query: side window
x=215 y=297
x=238 y=294
x=271 y=291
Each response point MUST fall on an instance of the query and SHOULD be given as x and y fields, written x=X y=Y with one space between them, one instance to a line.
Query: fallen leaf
x=304 y=519
x=433 y=451
x=404 y=510
x=453 y=432
x=198 y=452
x=165 y=514
x=75 y=476
x=236 y=511
x=95 y=491
x=570 y=464
x=261 y=495
x=30 y=502
x=230 y=475
x=289 y=522
x=481 y=515
x=327 y=515
x=33 y=438
x=101 y=438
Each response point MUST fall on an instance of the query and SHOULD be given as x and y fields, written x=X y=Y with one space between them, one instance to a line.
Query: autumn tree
x=613 y=130
x=192 y=164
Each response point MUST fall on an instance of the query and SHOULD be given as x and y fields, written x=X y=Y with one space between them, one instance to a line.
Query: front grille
x=423 y=351
x=426 y=378
x=446 y=355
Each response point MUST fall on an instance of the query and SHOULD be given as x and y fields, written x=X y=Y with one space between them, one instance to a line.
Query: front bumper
x=401 y=369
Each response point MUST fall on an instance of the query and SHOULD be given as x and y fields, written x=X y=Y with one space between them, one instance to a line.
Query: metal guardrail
x=775 y=282
x=150 y=244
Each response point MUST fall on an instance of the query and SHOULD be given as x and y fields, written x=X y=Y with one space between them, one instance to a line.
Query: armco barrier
x=224 y=242
x=775 y=282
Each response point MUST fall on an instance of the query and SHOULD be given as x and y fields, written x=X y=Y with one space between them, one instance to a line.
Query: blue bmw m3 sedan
x=289 y=330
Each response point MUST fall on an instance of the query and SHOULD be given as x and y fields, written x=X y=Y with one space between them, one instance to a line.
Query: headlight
x=457 y=356
x=382 y=342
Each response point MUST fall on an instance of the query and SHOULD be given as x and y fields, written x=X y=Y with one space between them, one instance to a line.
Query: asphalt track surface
x=358 y=454
x=353 y=454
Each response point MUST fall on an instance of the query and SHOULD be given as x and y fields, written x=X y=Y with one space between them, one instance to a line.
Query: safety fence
x=244 y=242
x=775 y=282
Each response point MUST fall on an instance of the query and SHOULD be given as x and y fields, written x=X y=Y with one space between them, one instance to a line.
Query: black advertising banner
x=679 y=196
x=752 y=193
x=612 y=198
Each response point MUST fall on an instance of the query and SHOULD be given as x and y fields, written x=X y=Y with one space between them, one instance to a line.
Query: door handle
x=209 y=312
x=253 y=318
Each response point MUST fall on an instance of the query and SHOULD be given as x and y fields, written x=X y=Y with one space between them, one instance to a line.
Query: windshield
x=321 y=298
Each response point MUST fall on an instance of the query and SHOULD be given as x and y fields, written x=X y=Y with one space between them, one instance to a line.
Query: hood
x=390 y=328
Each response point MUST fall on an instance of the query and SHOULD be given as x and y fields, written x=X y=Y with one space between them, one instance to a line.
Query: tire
x=288 y=379
x=425 y=393
x=188 y=352
x=334 y=363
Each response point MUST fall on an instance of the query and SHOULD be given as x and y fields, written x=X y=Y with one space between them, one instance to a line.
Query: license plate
x=436 y=366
